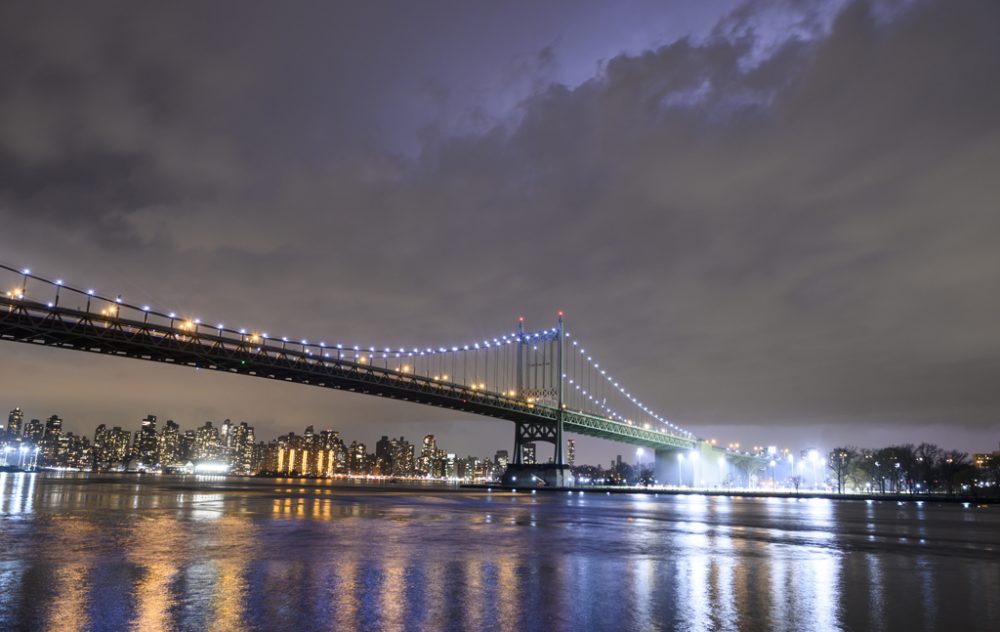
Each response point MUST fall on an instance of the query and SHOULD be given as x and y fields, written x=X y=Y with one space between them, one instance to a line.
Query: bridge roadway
x=28 y=321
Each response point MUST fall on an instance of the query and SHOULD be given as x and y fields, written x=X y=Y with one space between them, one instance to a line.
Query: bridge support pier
x=669 y=467
x=523 y=474
x=538 y=475
x=703 y=466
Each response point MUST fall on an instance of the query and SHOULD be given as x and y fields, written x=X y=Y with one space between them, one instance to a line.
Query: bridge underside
x=36 y=323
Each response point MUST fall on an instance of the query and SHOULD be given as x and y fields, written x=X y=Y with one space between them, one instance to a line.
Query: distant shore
x=388 y=483
x=738 y=493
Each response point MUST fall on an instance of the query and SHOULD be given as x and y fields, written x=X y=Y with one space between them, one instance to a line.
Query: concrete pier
x=538 y=475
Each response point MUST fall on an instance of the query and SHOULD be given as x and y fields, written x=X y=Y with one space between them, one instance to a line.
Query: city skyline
x=32 y=428
x=236 y=444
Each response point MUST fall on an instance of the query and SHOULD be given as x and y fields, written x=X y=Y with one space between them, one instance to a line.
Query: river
x=120 y=552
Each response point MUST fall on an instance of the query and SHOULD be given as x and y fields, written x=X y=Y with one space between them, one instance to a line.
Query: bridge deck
x=23 y=320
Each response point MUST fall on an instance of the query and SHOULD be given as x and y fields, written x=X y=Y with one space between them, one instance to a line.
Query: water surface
x=81 y=552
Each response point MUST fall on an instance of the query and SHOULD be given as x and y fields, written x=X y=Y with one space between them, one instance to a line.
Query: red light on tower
x=560 y=314
x=520 y=319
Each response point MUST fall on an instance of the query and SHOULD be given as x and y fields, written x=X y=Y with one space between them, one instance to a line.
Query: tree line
x=925 y=468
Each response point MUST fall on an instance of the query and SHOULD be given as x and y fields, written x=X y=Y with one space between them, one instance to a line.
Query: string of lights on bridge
x=595 y=366
x=589 y=386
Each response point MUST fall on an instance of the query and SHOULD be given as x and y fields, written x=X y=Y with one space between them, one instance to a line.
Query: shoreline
x=383 y=484
x=657 y=491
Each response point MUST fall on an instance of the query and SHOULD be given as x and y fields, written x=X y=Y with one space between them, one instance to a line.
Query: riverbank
x=742 y=493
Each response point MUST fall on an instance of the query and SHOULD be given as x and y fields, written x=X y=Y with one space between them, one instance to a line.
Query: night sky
x=777 y=222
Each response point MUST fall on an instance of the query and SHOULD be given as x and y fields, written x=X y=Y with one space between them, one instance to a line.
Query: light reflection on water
x=162 y=553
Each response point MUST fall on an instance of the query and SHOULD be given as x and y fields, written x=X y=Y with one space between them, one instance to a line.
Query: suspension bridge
x=545 y=381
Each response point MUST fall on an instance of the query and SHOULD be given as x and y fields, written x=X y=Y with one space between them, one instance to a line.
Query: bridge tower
x=540 y=378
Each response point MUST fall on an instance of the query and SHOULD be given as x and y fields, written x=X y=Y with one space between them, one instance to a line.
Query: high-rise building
x=148 y=444
x=15 y=422
x=570 y=452
x=75 y=452
x=206 y=443
x=439 y=465
x=358 y=458
x=470 y=467
x=226 y=447
x=110 y=449
x=50 y=441
x=169 y=443
x=185 y=446
x=100 y=434
x=336 y=451
x=241 y=448
x=34 y=430
x=383 y=456
x=403 y=462
x=528 y=453
x=501 y=458
x=428 y=451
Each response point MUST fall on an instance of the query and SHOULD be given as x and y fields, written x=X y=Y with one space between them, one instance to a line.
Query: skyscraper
x=148 y=447
x=110 y=449
x=50 y=441
x=427 y=453
x=100 y=436
x=241 y=448
x=206 y=442
x=501 y=458
x=528 y=452
x=403 y=458
x=357 y=458
x=169 y=443
x=34 y=430
x=383 y=455
x=15 y=422
x=185 y=446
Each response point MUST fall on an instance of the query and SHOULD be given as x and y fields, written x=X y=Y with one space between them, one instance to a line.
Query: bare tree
x=928 y=455
x=841 y=462
x=905 y=464
x=796 y=481
x=951 y=466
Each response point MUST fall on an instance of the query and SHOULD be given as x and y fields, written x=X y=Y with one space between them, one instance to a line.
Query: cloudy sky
x=778 y=222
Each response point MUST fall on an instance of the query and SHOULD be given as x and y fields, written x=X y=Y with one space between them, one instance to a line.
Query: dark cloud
x=785 y=219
